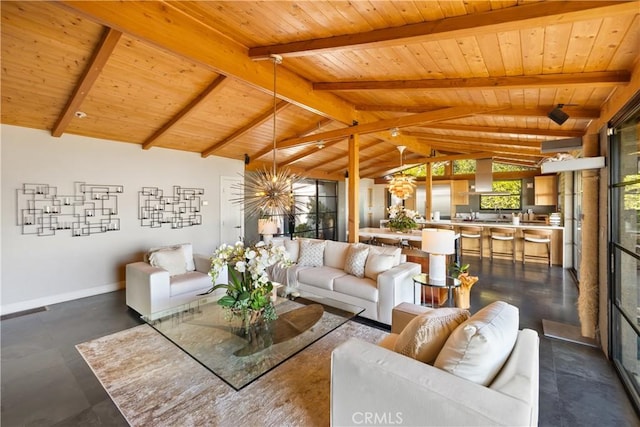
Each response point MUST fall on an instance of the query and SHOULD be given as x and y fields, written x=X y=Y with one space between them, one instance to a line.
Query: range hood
x=484 y=179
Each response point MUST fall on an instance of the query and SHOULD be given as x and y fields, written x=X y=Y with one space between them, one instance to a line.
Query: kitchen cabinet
x=460 y=192
x=545 y=190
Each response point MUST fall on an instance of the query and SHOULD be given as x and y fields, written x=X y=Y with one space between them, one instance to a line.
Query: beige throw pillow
x=171 y=260
x=376 y=264
x=311 y=253
x=293 y=249
x=479 y=347
x=425 y=335
x=356 y=259
x=187 y=251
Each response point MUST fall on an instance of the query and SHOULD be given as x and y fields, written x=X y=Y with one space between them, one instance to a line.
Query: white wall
x=36 y=270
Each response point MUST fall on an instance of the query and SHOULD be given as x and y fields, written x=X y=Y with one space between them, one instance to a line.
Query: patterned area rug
x=153 y=382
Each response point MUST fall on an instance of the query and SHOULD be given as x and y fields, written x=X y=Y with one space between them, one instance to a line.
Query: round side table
x=423 y=280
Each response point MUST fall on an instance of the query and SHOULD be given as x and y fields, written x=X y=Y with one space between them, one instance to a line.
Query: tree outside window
x=511 y=202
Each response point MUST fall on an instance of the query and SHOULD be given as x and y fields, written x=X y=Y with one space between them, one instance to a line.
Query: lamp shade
x=441 y=242
x=267 y=226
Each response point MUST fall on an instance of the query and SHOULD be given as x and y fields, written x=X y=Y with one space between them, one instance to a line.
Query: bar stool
x=471 y=232
x=503 y=235
x=536 y=237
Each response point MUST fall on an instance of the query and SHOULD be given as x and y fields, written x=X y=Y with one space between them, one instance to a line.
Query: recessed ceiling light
x=81 y=114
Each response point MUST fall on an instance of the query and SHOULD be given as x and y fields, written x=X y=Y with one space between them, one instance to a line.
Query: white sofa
x=387 y=279
x=168 y=277
x=373 y=385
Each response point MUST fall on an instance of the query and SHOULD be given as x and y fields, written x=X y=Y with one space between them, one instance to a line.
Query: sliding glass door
x=624 y=247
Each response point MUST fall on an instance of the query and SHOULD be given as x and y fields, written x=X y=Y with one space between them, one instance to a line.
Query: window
x=513 y=201
x=464 y=166
x=316 y=210
x=624 y=194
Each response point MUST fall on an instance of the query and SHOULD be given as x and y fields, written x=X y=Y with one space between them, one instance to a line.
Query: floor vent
x=23 y=313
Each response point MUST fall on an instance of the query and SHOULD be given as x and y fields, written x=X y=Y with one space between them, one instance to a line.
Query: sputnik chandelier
x=269 y=192
x=402 y=186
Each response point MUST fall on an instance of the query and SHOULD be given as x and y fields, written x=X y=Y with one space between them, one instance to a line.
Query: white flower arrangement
x=401 y=218
x=249 y=287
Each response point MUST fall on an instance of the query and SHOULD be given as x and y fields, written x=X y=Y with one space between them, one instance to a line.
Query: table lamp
x=267 y=228
x=438 y=244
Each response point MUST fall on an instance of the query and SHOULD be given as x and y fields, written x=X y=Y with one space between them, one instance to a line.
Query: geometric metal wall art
x=181 y=209
x=91 y=209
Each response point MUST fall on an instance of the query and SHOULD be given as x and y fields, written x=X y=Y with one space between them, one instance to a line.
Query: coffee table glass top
x=203 y=330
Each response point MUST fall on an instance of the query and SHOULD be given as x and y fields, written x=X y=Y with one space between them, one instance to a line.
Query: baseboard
x=55 y=299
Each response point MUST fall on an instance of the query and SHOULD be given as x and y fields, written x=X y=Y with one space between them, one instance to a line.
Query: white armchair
x=151 y=288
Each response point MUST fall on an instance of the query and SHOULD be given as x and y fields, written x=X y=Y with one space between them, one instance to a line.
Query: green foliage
x=505 y=167
x=437 y=169
x=514 y=202
x=417 y=171
x=457 y=269
x=464 y=166
x=632 y=193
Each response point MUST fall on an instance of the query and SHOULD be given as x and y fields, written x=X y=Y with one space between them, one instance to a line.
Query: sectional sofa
x=372 y=277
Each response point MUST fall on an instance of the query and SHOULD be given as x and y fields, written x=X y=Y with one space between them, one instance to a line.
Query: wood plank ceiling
x=456 y=77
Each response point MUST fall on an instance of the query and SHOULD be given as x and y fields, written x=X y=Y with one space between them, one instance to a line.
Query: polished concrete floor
x=45 y=382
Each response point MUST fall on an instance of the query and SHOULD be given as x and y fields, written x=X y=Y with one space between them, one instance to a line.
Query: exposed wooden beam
x=434 y=137
x=472 y=25
x=412 y=143
x=400 y=122
x=343 y=156
x=307 y=173
x=574 y=112
x=496 y=176
x=396 y=108
x=322 y=123
x=307 y=152
x=162 y=24
x=281 y=105
x=94 y=67
x=593 y=79
x=387 y=168
x=211 y=88
x=516 y=161
x=467 y=156
x=519 y=131
x=454 y=146
x=353 y=188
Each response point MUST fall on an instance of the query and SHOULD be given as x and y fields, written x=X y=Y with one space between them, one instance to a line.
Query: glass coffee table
x=203 y=330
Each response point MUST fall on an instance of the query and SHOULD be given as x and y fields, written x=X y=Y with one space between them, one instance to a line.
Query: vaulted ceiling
x=469 y=78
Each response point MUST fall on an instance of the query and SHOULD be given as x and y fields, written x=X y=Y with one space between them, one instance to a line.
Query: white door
x=231 y=214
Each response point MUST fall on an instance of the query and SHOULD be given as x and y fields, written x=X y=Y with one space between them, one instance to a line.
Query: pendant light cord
x=277 y=59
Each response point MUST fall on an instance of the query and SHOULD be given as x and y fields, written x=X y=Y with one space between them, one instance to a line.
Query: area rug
x=153 y=382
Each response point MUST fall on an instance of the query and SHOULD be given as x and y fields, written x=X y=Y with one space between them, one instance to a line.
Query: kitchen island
x=557 y=237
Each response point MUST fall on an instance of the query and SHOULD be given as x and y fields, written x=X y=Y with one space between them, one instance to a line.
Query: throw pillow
x=425 y=335
x=187 y=250
x=376 y=264
x=188 y=256
x=171 y=260
x=293 y=249
x=355 y=261
x=388 y=250
x=311 y=253
x=479 y=347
